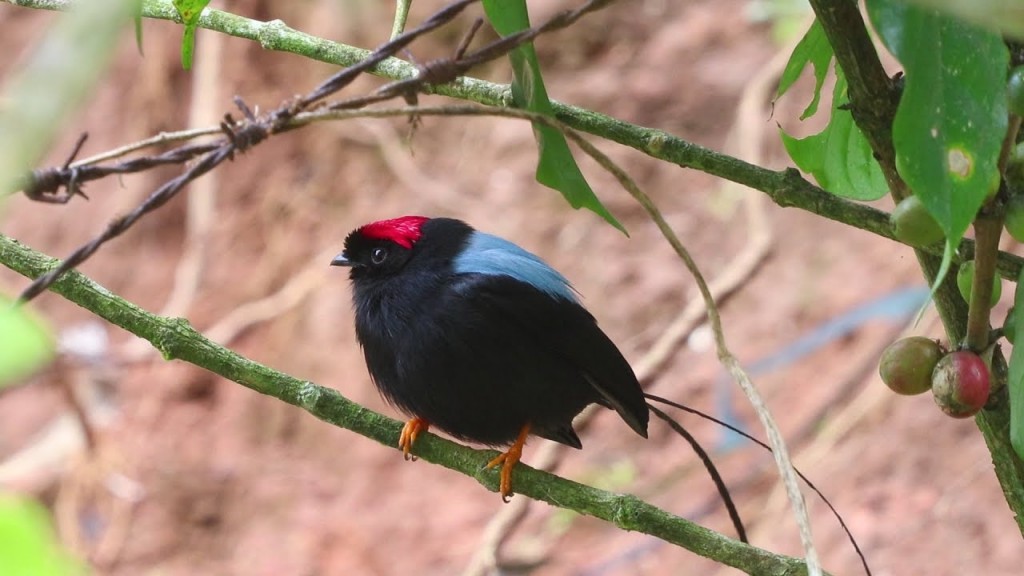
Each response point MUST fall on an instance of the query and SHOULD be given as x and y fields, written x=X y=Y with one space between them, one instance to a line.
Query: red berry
x=961 y=384
x=907 y=365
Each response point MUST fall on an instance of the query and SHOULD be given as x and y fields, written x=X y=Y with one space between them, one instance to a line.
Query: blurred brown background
x=192 y=474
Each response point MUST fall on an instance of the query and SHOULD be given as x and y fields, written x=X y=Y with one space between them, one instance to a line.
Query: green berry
x=1015 y=91
x=1010 y=325
x=913 y=225
x=965 y=282
x=907 y=364
x=1014 y=222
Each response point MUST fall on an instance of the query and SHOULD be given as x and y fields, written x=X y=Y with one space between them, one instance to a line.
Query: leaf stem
x=401 y=17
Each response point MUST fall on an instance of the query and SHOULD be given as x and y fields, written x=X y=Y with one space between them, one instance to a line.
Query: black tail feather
x=723 y=490
x=714 y=473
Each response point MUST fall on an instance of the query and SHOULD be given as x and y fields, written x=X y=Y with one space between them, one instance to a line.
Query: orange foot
x=508 y=461
x=410 y=432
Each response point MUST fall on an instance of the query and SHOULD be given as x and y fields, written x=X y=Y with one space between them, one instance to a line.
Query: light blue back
x=488 y=254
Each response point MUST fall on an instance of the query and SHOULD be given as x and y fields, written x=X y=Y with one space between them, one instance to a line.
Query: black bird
x=470 y=333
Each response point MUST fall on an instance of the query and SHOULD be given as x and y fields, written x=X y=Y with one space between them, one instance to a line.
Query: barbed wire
x=240 y=135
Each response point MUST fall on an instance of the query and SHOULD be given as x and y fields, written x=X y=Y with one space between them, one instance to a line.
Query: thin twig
x=161 y=138
x=401 y=17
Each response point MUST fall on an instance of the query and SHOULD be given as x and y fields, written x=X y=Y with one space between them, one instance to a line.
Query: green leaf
x=839 y=157
x=1015 y=384
x=1003 y=16
x=952 y=116
x=189 y=10
x=813 y=49
x=25 y=343
x=556 y=167
x=28 y=544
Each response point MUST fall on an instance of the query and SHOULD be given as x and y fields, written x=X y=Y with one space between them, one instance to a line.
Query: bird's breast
x=387 y=312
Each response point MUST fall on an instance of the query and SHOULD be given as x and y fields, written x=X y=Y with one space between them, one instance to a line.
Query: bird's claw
x=410 y=432
x=505 y=485
x=508 y=461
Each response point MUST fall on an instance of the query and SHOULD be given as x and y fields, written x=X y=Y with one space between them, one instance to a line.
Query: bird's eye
x=379 y=255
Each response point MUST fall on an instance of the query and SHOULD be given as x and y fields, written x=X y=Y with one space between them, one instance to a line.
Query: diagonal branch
x=176 y=339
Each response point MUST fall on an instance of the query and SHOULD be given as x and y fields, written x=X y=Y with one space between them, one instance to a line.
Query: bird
x=473 y=335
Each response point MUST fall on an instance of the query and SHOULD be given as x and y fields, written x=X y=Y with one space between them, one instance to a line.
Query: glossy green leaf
x=1003 y=16
x=952 y=116
x=28 y=543
x=839 y=157
x=25 y=343
x=556 y=167
x=1015 y=384
x=813 y=49
x=189 y=10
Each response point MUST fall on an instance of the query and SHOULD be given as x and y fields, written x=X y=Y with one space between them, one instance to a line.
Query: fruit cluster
x=960 y=381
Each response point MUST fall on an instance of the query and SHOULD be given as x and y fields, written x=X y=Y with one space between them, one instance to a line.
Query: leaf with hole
x=812 y=49
x=839 y=157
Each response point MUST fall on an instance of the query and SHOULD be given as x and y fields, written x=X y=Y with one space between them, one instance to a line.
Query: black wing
x=566 y=329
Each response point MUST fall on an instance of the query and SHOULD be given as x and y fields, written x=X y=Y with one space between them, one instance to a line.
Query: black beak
x=340 y=260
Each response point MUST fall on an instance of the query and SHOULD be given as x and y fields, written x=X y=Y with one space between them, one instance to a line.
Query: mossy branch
x=176 y=339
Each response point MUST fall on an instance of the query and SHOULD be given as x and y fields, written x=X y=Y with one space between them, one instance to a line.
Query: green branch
x=176 y=339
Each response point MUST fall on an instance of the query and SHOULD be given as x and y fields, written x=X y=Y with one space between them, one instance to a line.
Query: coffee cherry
x=907 y=364
x=961 y=384
x=1015 y=91
x=913 y=225
x=965 y=282
x=1014 y=221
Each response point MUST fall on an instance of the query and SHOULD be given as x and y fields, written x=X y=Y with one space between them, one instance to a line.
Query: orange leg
x=410 y=432
x=508 y=461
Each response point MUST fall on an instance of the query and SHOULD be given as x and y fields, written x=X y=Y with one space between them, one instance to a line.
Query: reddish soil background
x=197 y=475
